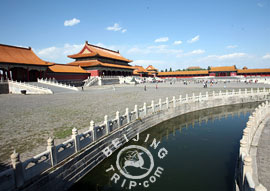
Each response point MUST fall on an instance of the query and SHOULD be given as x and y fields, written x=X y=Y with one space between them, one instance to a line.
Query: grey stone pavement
x=263 y=156
x=26 y=121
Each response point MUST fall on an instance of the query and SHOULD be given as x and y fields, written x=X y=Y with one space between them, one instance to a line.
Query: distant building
x=152 y=71
x=220 y=71
x=140 y=71
x=223 y=71
x=100 y=61
x=183 y=74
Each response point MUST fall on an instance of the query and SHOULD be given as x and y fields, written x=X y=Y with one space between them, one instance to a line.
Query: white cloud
x=156 y=63
x=199 y=51
x=177 y=42
x=115 y=27
x=194 y=52
x=71 y=22
x=162 y=39
x=232 y=56
x=47 y=52
x=196 y=38
x=260 y=4
x=267 y=56
x=160 y=49
x=56 y=54
x=231 y=46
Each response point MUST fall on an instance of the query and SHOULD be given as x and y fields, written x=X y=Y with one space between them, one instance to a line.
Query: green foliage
x=62 y=132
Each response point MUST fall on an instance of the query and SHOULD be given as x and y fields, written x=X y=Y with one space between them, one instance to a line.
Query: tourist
x=144 y=88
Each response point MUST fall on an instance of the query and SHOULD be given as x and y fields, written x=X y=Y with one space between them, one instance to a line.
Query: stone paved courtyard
x=26 y=121
x=263 y=156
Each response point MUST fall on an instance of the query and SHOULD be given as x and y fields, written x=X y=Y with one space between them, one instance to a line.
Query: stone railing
x=87 y=146
x=90 y=81
x=57 y=84
x=22 y=87
x=247 y=174
x=108 y=80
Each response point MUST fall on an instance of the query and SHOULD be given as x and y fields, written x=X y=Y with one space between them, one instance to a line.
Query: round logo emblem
x=134 y=162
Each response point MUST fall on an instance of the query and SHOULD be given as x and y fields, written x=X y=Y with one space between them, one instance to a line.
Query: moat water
x=202 y=152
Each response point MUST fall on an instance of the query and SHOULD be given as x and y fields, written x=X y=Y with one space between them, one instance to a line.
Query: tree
x=166 y=70
x=161 y=71
x=170 y=69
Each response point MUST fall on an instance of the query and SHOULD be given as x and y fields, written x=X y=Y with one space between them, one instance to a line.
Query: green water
x=202 y=151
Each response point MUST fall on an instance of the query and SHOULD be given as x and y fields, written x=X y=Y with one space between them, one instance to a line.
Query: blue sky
x=166 y=34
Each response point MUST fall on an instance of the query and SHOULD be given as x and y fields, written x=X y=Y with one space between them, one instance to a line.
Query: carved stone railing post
x=227 y=93
x=246 y=135
x=52 y=150
x=107 y=124
x=258 y=90
x=247 y=167
x=243 y=146
x=128 y=115
x=213 y=93
x=153 y=106
x=160 y=104
x=144 y=109
x=93 y=131
x=167 y=103
x=200 y=97
x=193 y=97
x=174 y=101
x=251 y=90
x=180 y=99
x=76 y=139
x=220 y=93
x=118 y=118
x=245 y=91
x=239 y=92
x=136 y=112
x=233 y=92
x=18 y=169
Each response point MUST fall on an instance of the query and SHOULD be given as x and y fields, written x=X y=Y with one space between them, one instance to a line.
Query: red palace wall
x=233 y=74
x=93 y=72
x=67 y=77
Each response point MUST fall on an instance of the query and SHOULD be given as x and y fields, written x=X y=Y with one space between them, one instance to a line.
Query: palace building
x=152 y=71
x=100 y=61
x=183 y=74
x=140 y=71
x=22 y=64
x=221 y=71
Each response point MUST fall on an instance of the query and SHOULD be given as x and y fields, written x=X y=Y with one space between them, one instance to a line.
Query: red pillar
x=40 y=74
x=8 y=74
x=28 y=75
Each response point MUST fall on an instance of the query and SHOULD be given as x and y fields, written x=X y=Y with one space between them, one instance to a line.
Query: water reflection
x=202 y=145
